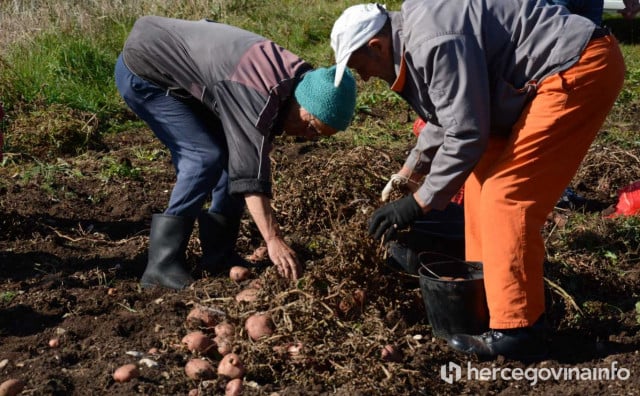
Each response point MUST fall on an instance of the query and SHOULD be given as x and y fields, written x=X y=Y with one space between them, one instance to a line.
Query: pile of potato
x=211 y=337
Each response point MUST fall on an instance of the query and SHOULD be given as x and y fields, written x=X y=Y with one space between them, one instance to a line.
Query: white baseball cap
x=357 y=25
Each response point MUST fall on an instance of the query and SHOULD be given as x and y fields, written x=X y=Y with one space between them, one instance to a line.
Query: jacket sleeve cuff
x=250 y=186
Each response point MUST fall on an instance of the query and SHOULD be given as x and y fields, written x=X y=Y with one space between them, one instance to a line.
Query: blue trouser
x=195 y=138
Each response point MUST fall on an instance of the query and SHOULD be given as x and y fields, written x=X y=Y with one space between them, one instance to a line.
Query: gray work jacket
x=244 y=79
x=468 y=68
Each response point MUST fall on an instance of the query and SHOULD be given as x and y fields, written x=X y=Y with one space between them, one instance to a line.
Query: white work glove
x=395 y=182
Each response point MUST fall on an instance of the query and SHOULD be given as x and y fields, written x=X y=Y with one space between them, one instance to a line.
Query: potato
x=259 y=254
x=54 y=342
x=202 y=317
x=360 y=296
x=234 y=387
x=199 y=342
x=255 y=284
x=451 y=278
x=231 y=366
x=295 y=351
x=259 y=325
x=391 y=354
x=126 y=373
x=11 y=387
x=280 y=349
x=199 y=369
x=224 y=329
x=239 y=273
x=225 y=345
x=247 y=295
x=345 y=306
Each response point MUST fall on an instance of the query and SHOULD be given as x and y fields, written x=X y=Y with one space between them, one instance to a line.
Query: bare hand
x=284 y=258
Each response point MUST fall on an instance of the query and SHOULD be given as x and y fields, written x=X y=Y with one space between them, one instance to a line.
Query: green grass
x=118 y=169
x=67 y=68
x=47 y=175
x=67 y=62
x=611 y=241
x=8 y=296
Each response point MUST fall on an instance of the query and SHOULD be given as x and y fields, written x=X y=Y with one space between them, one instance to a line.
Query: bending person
x=217 y=97
x=505 y=89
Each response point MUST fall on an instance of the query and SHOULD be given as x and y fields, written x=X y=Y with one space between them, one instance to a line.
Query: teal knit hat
x=332 y=105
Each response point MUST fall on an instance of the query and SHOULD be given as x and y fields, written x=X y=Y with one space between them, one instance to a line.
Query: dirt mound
x=73 y=245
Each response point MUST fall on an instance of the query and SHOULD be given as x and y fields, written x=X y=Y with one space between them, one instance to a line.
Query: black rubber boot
x=526 y=344
x=218 y=235
x=167 y=245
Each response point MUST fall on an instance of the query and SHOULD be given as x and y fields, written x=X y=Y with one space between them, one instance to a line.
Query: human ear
x=376 y=46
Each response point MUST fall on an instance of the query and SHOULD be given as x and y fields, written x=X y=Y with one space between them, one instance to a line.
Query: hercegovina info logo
x=452 y=372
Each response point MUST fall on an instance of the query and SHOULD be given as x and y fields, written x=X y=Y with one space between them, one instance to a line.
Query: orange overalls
x=520 y=178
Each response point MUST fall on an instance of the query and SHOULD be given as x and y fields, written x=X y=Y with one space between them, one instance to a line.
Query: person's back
x=529 y=42
x=591 y=9
x=197 y=57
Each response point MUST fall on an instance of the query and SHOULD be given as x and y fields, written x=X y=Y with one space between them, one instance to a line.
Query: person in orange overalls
x=514 y=93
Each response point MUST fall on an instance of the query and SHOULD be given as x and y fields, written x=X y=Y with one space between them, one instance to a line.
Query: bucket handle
x=474 y=265
x=431 y=272
x=442 y=255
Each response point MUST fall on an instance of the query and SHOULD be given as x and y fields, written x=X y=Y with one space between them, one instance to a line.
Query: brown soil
x=73 y=246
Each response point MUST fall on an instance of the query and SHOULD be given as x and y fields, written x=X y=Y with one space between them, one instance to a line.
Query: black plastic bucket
x=454 y=296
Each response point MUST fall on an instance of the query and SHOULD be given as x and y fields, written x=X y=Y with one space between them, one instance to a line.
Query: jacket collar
x=397 y=40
